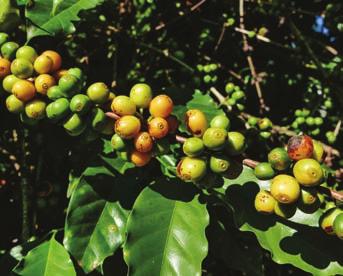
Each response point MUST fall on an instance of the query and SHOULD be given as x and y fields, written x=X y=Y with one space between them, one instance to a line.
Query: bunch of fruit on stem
x=210 y=148
x=294 y=174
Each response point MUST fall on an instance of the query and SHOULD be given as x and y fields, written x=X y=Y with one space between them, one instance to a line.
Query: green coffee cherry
x=117 y=142
x=300 y=120
x=318 y=121
x=68 y=84
x=220 y=121
x=191 y=169
x=252 y=121
x=141 y=95
x=14 y=105
x=55 y=92
x=265 y=134
x=265 y=124
x=310 y=121
x=229 y=87
x=193 y=147
x=8 y=82
x=231 y=102
x=3 y=38
x=9 y=49
x=27 y=52
x=238 y=95
x=264 y=171
x=338 y=226
x=219 y=163
x=98 y=92
x=98 y=118
x=77 y=73
x=75 y=125
x=240 y=107
x=22 y=68
x=279 y=159
x=214 y=138
x=236 y=143
x=58 y=109
x=80 y=104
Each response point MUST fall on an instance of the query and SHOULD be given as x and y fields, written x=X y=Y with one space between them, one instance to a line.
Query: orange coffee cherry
x=43 y=83
x=24 y=90
x=143 y=142
x=196 y=122
x=5 y=67
x=158 y=127
x=56 y=59
x=127 y=126
x=161 y=106
x=140 y=159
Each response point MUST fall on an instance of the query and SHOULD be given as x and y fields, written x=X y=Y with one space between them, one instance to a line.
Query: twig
x=112 y=115
x=180 y=139
x=221 y=36
x=337 y=128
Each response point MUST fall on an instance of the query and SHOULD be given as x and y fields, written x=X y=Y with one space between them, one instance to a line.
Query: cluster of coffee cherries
x=263 y=125
x=209 y=72
x=294 y=174
x=236 y=96
x=135 y=137
x=305 y=122
x=210 y=148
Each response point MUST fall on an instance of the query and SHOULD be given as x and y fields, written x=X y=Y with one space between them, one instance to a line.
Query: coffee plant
x=146 y=137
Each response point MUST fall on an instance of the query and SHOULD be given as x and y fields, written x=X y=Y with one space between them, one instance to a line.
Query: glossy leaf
x=166 y=231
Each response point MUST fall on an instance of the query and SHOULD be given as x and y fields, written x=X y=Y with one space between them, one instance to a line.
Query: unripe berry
x=24 y=90
x=117 y=142
x=56 y=59
x=43 y=64
x=123 y=105
x=264 y=171
x=127 y=126
x=58 y=109
x=27 y=52
x=158 y=127
x=161 y=106
x=8 y=82
x=220 y=121
x=191 y=169
x=219 y=163
x=98 y=92
x=8 y=50
x=75 y=125
x=196 y=122
x=3 y=38
x=229 y=87
x=141 y=95
x=285 y=188
x=77 y=73
x=193 y=147
x=80 y=103
x=264 y=202
x=215 y=138
x=43 y=83
x=279 y=159
x=143 y=142
x=69 y=85
x=236 y=143
x=22 y=68
x=14 y=105
x=140 y=159
x=55 y=93
x=308 y=172
x=300 y=147
x=97 y=118
x=5 y=67
x=338 y=226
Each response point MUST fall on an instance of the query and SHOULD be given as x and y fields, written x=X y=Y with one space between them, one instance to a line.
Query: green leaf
x=166 y=231
x=117 y=163
x=97 y=214
x=49 y=258
x=289 y=241
x=50 y=17
x=168 y=164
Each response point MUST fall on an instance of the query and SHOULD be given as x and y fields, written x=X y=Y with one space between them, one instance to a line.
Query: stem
x=112 y=115
x=180 y=139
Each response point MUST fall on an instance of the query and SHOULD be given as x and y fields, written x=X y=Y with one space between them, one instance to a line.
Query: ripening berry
x=215 y=138
x=236 y=143
x=193 y=146
x=300 y=147
x=158 y=127
x=22 y=68
x=219 y=163
x=123 y=105
x=43 y=83
x=24 y=90
x=127 y=126
x=264 y=202
x=196 y=122
x=5 y=67
x=27 y=52
x=143 y=142
x=117 y=142
x=141 y=95
x=285 y=188
x=140 y=159
x=191 y=169
x=8 y=82
x=279 y=159
x=327 y=220
x=318 y=151
x=56 y=59
x=14 y=105
x=35 y=109
x=265 y=124
x=98 y=92
x=161 y=106
x=308 y=172
x=43 y=64
x=220 y=121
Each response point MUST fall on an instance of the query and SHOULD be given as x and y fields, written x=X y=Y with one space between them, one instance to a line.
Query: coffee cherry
x=35 y=109
x=97 y=118
x=98 y=92
x=264 y=171
x=308 y=196
x=318 y=151
x=117 y=142
x=279 y=159
x=284 y=210
x=338 y=226
x=27 y=52
x=43 y=83
x=24 y=90
x=158 y=127
x=80 y=104
x=252 y=121
x=141 y=95
x=300 y=147
x=229 y=87
x=3 y=38
x=14 y=105
x=5 y=67
x=68 y=85
x=193 y=147
x=309 y=121
x=236 y=143
x=9 y=49
x=300 y=120
x=60 y=73
x=264 y=202
x=265 y=134
x=219 y=163
x=231 y=102
x=161 y=106
x=58 y=109
x=43 y=64
x=238 y=95
x=285 y=188
x=55 y=93
x=127 y=126
x=214 y=138
x=328 y=104
x=123 y=105
x=77 y=73
x=56 y=59
x=22 y=68
x=191 y=169
x=140 y=159
x=308 y=172
x=8 y=82
x=327 y=220
x=220 y=121
x=318 y=121
x=74 y=125
x=265 y=124
x=173 y=124
x=143 y=142
x=196 y=122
